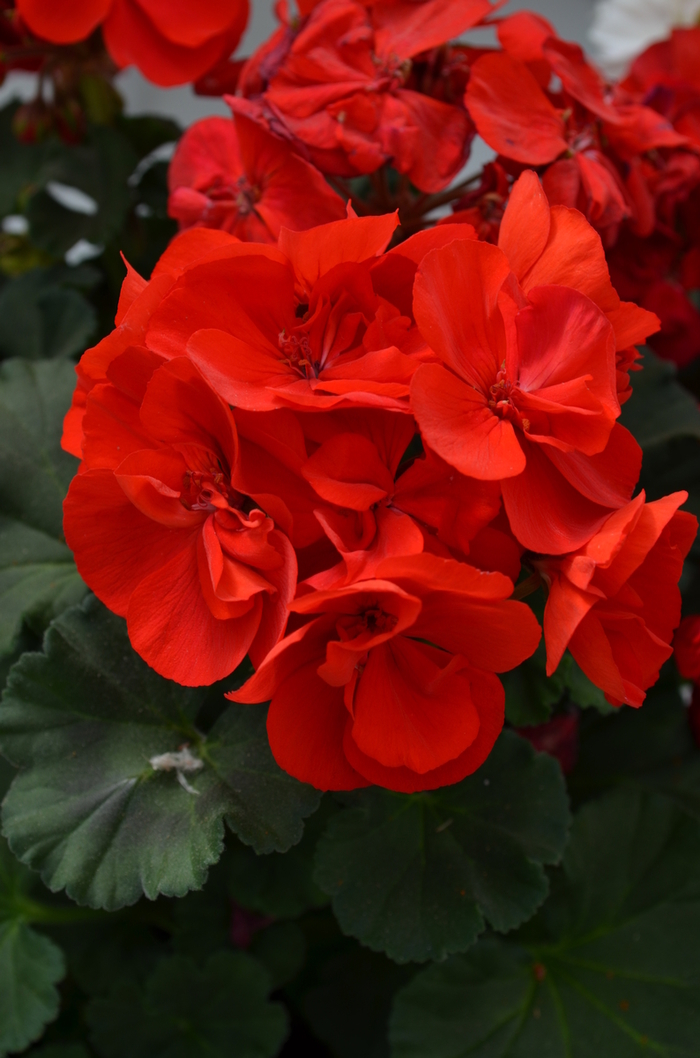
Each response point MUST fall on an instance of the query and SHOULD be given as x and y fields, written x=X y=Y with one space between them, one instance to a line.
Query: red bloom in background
x=171 y=41
x=339 y=88
x=358 y=696
x=686 y=647
x=667 y=77
x=160 y=532
x=614 y=603
x=236 y=176
x=526 y=394
x=508 y=101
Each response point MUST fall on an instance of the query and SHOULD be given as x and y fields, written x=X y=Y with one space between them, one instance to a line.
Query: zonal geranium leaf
x=38 y=578
x=610 y=968
x=118 y=793
x=30 y=965
x=417 y=876
x=188 y=1012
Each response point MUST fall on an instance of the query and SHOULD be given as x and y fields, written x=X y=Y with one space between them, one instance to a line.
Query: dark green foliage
x=418 y=876
x=609 y=967
x=660 y=408
x=652 y=746
x=100 y=168
x=38 y=578
x=350 y=1008
x=30 y=964
x=281 y=886
x=89 y=810
x=531 y=694
x=42 y=317
x=184 y=1012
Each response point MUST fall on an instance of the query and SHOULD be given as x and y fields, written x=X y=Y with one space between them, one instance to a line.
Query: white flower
x=623 y=29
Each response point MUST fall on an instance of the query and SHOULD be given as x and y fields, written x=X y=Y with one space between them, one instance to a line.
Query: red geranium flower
x=236 y=176
x=161 y=533
x=340 y=88
x=138 y=301
x=298 y=326
x=507 y=99
x=556 y=244
x=368 y=513
x=171 y=41
x=614 y=602
x=394 y=682
x=526 y=394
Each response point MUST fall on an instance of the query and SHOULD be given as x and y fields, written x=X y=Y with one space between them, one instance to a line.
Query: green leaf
x=652 y=746
x=280 y=885
x=660 y=408
x=30 y=964
x=263 y=805
x=188 y=1012
x=39 y=319
x=22 y=163
x=146 y=132
x=281 y=948
x=100 y=168
x=531 y=694
x=349 y=1009
x=61 y=1050
x=38 y=578
x=93 y=808
x=417 y=876
x=608 y=969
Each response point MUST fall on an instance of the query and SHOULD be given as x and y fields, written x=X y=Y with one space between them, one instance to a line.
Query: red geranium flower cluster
x=171 y=41
x=659 y=267
x=358 y=83
x=337 y=458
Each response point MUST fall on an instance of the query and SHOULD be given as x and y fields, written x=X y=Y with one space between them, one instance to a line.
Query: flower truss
x=349 y=443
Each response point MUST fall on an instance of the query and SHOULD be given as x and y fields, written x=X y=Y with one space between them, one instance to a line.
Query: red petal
x=403 y=28
x=192 y=25
x=525 y=226
x=573 y=257
x=313 y=253
x=546 y=513
x=412 y=707
x=457 y=507
x=173 y=629
x=456 y=308
x=130 y=37
x=305 y=724
x=115 y=546
x=489 y=699
x=511 y=112
x=63 y=21
x=457 y=422
x=180 y=408
x=348 y=471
